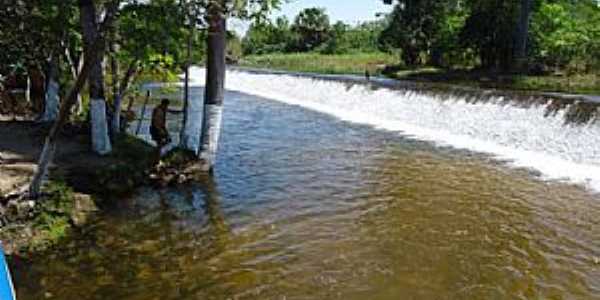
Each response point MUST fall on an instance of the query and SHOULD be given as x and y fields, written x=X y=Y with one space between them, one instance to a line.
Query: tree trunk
x=89 y=24
x=522 y=35
x=42 y=168
x=114 y=79
x=28 y=90
x=37 y=90
x=215 y=88
x=52 y=92
x=75 y=69
x=184 y=138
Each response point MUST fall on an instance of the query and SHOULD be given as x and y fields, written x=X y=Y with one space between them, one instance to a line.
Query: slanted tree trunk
x=52 y=100
x=50 y=145
x=520 y=54
x=215 y=87
x=89 y=24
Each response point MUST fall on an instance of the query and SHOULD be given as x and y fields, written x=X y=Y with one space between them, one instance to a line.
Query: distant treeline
x=545 y=35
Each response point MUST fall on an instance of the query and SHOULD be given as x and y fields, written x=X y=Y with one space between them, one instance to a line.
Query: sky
x=349 y=11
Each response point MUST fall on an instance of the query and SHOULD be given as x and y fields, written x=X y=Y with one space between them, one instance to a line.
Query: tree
x=216 y=13
x=33 y=36
x=215 y=86
x=49 y=149
x=361 y=38
x=89 y=24
x=312 y=27
x=522 y=34
x=414 y=27
x=565 y=32
x=268 y=37
x=499 y=31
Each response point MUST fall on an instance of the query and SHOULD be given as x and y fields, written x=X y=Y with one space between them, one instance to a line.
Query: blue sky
x=349 y=11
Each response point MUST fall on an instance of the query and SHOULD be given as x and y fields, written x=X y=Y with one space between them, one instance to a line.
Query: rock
x=84 y=205
x=181 y=179
x=19 y=210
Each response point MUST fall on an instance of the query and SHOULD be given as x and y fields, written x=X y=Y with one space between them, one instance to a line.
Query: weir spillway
x=548 y=136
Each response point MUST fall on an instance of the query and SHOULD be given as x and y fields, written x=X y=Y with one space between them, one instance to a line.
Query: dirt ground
x=21 y=143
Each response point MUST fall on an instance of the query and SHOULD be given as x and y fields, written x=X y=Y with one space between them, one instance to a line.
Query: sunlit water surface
x=306 y=206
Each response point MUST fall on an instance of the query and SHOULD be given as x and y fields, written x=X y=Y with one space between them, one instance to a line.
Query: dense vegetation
x=351 y=63
x=311 y=31
x=519 y=37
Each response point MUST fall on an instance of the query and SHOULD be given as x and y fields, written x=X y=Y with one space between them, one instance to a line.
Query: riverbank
x=79 y=183
x=323 y=64
x=386 y=65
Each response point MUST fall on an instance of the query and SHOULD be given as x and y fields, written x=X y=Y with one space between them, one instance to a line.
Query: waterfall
x=523 y=135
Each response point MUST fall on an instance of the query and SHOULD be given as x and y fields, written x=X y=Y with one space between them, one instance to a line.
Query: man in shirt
x=158 y=129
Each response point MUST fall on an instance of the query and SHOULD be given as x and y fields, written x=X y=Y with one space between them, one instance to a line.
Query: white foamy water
x=521 y=136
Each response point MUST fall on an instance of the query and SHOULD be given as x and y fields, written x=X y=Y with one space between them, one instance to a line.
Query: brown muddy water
x=305 y=206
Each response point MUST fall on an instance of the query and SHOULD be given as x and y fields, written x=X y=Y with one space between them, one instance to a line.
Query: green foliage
x=486 y=33
x=345 y=39
x=489 y=31
x=158 y=67
x=312 y=28
x=311 y=32
x=414 y=27
x=179 y=158
x=268 y=37
x=355 y=63
x=234 y=46
x=54 y=214
x=447 y=50
x=32 y=30
x=567 y=34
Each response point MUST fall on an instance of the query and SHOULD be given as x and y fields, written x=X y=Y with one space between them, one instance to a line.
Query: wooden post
x=141 y=119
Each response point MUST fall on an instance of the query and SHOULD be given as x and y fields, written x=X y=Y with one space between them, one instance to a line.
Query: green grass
x=320 y=63
x=52 y=219
x=387 y=64
x=575 y=83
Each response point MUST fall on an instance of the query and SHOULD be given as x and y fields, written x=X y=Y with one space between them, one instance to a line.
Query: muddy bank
x=79 y=182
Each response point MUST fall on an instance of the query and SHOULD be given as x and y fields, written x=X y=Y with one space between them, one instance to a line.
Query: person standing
x=158 y=128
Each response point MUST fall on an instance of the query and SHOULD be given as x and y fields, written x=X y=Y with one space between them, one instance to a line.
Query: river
x=325 y=190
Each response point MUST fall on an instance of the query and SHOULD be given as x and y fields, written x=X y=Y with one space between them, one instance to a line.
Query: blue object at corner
x=7 y=291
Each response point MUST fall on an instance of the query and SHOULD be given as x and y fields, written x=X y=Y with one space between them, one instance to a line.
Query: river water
x=329 y=191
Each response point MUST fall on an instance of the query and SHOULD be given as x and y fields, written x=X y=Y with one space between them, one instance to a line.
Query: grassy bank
x=574 y=83
x=80 y=183
x=386 y=63
x=319 y=63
